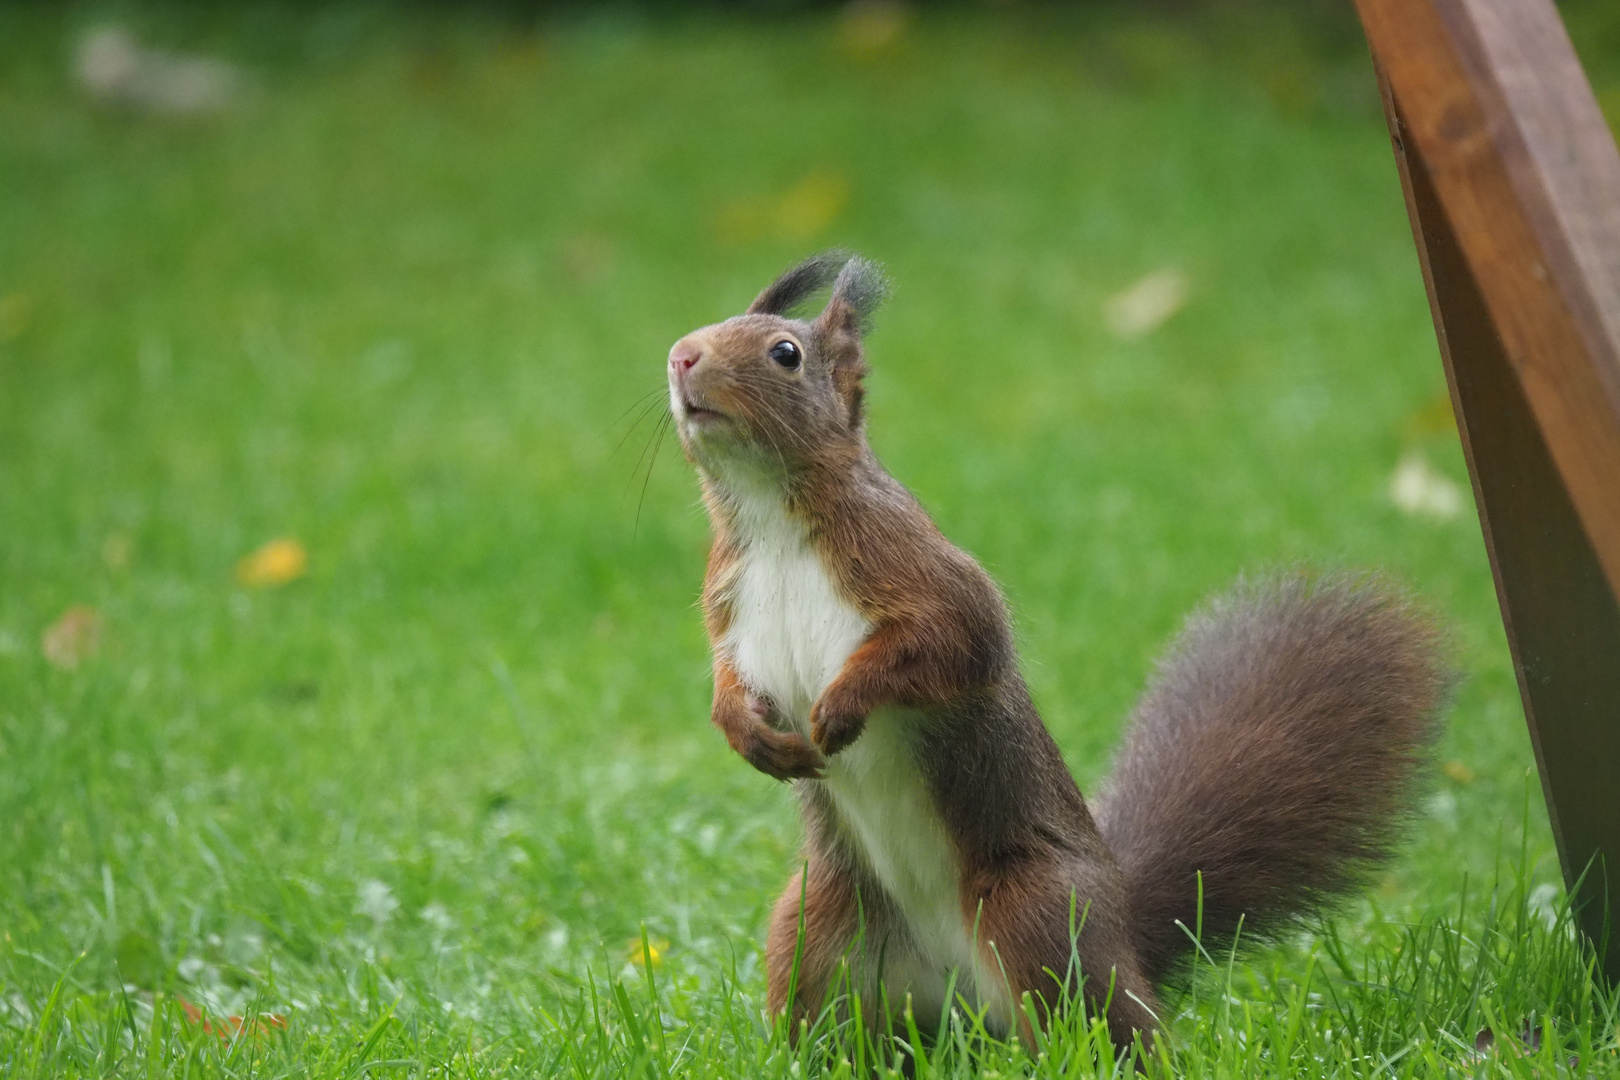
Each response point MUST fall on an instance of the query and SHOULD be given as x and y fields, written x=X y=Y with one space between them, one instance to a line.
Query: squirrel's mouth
x=700 y=414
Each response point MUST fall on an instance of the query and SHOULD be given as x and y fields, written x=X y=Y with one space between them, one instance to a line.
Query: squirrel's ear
x=860 y=288
x=796 y=285
x=857 y=292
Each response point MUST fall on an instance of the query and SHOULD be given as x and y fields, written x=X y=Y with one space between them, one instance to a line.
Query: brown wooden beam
x=1512 y=183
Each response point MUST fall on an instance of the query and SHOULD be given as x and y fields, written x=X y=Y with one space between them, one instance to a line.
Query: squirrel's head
x=770 y=391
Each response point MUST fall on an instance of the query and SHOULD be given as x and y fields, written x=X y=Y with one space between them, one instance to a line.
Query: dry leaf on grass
x=1420 y=490
x=73 y=638
x=113 y=66
x=232 y=1026
x=811 y=205
x=1146 y=305
x=16 y=312
x=869 y=28
x=276 y=563
x=1459 y=772
x=1435 y=417
x=115 y=551
x=800 y=212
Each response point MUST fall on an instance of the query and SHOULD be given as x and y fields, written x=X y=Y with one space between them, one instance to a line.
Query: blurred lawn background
x=395 y=295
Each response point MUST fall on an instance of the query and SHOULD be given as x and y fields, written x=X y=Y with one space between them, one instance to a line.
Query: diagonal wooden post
x=1512 y=183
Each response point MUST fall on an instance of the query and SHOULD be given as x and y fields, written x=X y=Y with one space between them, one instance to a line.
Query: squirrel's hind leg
x=826 y=941
x=1027 y=916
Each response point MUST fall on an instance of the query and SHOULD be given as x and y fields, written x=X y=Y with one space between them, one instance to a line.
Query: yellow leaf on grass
x=73 y=637
x=16 y=312
x=812 y=204
x=800 y=212
x=115 y=551
x=276 y=563
x=870 y=28
x=1434 y=418
x=1458 y=772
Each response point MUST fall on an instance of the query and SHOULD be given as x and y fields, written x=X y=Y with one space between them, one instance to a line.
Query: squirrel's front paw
x=784 y=755
x=835 y=724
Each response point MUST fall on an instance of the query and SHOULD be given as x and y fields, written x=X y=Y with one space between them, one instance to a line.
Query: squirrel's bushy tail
x=1274 y=753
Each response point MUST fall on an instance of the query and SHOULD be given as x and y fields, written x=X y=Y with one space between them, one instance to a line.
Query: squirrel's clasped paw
x=785 y=756
x=834 y=726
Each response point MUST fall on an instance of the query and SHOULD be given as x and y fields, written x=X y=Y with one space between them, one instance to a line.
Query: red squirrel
x=863 y=657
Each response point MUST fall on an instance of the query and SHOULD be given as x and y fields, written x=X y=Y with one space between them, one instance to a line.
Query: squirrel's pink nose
x=684 y=356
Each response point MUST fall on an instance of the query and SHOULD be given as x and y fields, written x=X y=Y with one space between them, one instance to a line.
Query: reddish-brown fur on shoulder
x=717 y=580
x=940 y=626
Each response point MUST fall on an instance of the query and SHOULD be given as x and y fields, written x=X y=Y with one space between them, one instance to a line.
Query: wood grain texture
x=1522 y=161
x=1512 y=183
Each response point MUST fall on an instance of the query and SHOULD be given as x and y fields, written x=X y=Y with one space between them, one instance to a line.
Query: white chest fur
x=790 y=629
x=789 y=636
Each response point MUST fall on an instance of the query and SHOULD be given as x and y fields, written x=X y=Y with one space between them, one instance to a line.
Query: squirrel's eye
x=787 y=354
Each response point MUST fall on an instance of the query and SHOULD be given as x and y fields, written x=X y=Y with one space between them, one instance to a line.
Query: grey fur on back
x=1275 y=752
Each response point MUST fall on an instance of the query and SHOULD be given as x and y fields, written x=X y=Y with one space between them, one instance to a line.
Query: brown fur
x=848 y=929
x=741 y=716
x=1273 y=754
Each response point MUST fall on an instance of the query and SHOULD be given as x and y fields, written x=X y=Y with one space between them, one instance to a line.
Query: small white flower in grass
x=1144 y=306
x=438 y=916
x=1420 y=490
x=377 y=901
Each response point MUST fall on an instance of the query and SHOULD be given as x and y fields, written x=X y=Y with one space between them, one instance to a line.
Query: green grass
x=423 y=803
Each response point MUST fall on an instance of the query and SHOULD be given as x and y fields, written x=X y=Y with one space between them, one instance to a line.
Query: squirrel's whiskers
x=655 y=443
x=646 y=405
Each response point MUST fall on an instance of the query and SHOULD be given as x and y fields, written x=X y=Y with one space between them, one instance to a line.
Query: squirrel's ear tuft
x=798 y=284
x=856 y=294
x=860 y=287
